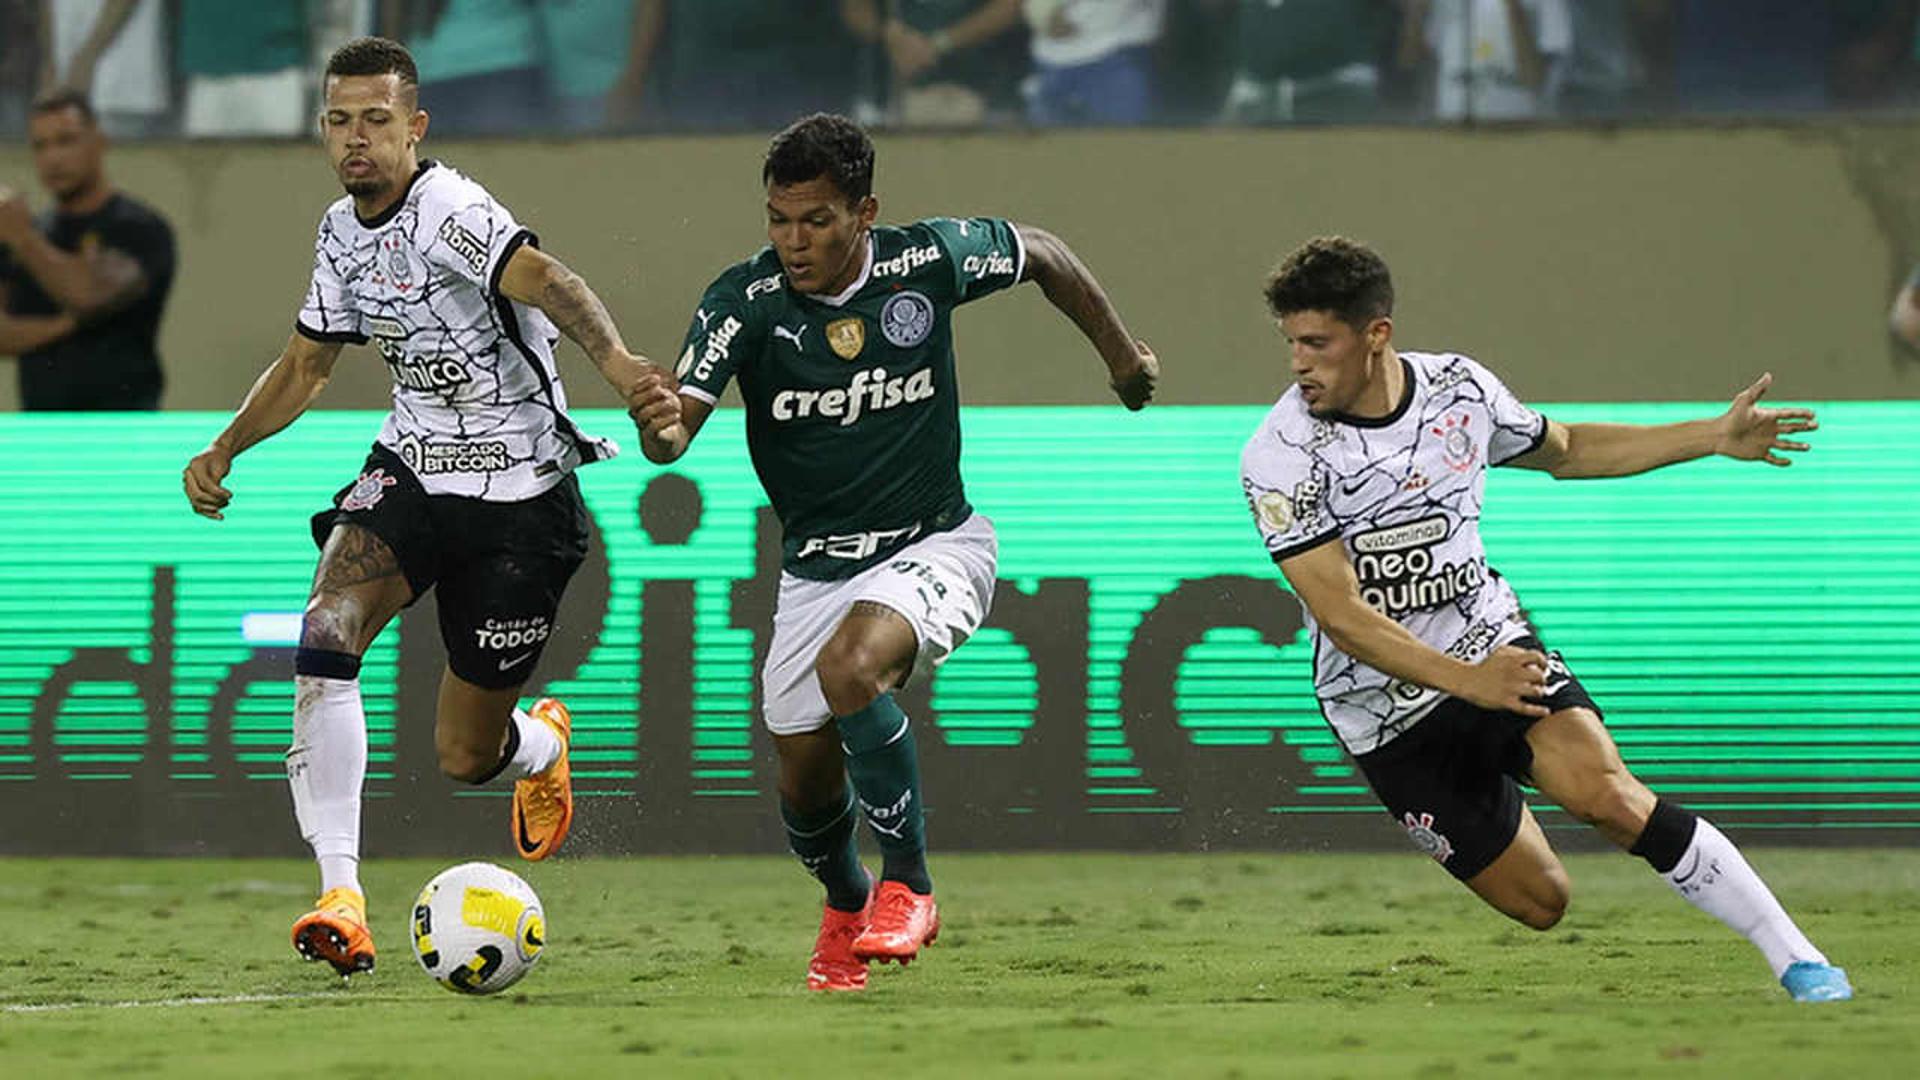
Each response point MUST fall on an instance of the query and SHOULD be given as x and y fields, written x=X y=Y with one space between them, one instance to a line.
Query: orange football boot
x=833 y=965
x=902 y=921
x=336 y=931
x=543 y=802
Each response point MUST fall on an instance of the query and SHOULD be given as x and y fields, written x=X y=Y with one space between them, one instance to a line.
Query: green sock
x=886 y=777
x=824 y=842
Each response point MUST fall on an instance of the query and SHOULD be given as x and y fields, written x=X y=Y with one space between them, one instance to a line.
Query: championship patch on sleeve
x=464 y=244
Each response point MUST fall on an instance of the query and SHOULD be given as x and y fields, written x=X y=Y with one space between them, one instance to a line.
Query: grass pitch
x=1048 y=966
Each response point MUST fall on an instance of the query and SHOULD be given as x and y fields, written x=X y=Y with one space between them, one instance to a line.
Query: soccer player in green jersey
x=840 y=335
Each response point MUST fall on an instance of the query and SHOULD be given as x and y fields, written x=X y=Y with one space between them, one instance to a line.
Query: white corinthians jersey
x=1402 y=493
x=478 y=409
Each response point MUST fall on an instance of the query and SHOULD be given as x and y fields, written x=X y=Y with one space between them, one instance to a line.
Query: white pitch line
x=164 y=1003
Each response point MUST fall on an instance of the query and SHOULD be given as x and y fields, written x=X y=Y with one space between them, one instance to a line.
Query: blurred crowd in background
x=245 y=68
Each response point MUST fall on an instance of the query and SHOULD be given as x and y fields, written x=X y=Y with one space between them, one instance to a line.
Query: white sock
x=539 y=747
x=340 y=871
x=1714 y=877
x=326 y=766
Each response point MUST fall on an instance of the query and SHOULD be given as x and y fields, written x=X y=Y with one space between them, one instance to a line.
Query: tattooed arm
x=536 y=278
x=1071 y=287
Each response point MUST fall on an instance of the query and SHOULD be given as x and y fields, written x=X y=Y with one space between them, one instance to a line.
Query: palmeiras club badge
x=1421 y=830
x=367 y=491
x=847 y=337
x=906 y=319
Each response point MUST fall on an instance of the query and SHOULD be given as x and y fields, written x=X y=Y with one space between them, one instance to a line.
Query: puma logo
x=790 y=335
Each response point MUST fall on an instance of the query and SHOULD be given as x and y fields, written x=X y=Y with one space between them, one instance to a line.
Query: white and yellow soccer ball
x=478 y=928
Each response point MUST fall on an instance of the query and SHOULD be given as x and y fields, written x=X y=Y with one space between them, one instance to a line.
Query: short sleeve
x=714 y=342
x=985 y=254
x=1286 y=493
x=328 y=313
x=475 y=240
x=151 y=245
x=1518 y=429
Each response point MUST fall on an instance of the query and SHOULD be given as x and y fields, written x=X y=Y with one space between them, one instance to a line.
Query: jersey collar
x=1392 y=418
x=840 y=298
x=393 y=209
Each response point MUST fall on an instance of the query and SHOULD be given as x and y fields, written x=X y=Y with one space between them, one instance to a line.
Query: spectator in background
x=718 y=64
x=1750 y=56
x=587 y=45
x=1490 y=59
x=83 y=287
x=1615 y=45
x=482 y=59
x=1873 y=55
x=1092 y=60
x=20 y=48
x=948 y=62
x=114 y=52
x=1316 y=61
x=244 y=64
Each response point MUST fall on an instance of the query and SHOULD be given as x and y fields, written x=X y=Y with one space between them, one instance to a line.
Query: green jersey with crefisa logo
x=853 y=412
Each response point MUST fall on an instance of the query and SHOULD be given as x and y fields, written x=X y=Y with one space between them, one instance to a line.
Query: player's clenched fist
x=654 y=399
x=1133 y=379
x=202 y=482
x=1511 y=678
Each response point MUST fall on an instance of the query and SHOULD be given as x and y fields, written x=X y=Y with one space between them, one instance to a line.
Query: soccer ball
x=477 y=928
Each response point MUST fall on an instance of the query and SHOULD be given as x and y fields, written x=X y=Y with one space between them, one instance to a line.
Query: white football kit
x=1402 y=493
x=478 y=409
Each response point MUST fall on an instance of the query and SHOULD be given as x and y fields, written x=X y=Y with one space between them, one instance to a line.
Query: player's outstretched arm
x=1323 y=578
x=278 y=397
x=534 y=277
x=1746 y=431
x=1132 y=368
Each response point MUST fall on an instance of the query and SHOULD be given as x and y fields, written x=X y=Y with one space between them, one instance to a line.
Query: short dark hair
x=1332 y=273
x=60 y=100
x=824 y=144
x=375 y=56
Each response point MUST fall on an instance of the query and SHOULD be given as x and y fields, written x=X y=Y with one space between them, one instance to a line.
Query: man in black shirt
x=81 y=287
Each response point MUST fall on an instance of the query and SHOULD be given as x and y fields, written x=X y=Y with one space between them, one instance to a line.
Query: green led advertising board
x=1752 y=633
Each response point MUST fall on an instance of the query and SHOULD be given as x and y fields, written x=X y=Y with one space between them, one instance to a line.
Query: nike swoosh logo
x=1353 y=488
x=1682 y=878
x=1553 y=688
x=527 y=846
x=516 y=661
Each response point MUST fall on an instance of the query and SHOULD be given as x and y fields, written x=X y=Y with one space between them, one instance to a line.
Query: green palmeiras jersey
x=853 y=411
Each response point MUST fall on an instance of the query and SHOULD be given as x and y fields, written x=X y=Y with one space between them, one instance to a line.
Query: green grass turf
x=1054 y=966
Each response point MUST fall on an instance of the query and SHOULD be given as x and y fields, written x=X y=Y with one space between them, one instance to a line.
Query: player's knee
x=1617 y=804
x=1545 y=904
x=330 y=623
x=850 y=675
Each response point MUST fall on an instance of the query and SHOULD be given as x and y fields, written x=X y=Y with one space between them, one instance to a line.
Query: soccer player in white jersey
x=469 y=486
x=1366 y=481
x=840 y=336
